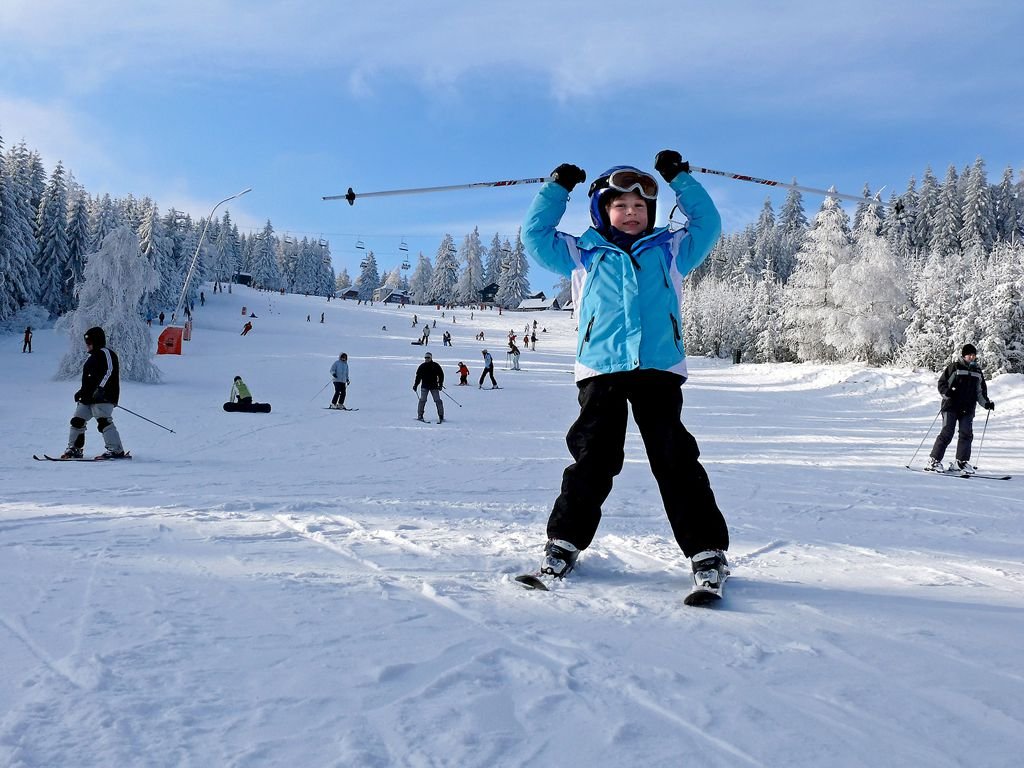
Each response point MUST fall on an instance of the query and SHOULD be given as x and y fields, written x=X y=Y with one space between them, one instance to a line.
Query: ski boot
x=109 y=454
x=934 y=465
x=559 y=558
x=964 y=468
x=72 y=453
x=710 y=570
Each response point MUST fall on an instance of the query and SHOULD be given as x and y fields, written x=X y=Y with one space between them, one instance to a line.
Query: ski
x=44 y=457
x=962 y=475
x=532 y=581
x=329 y=408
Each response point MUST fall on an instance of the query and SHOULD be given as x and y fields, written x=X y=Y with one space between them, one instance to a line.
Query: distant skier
x=463 y=374
x=962 y=386
x=26 y=345
x=430 y=376
x=246 y=328
x=628 y=276
x=514 y=351
x=339 y=374
x=425 y=338
x=97 y=398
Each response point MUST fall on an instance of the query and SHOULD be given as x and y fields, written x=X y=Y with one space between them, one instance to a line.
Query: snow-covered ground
x=319 y=588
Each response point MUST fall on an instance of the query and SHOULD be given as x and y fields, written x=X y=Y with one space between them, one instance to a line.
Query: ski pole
x=133 y=413
x=351 y=196
x=982 y=443
x=450 y=397
x=314 y=397
x=924 y=438
x=770 y=183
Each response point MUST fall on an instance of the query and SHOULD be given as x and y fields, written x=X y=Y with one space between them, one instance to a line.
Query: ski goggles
x=628 y=180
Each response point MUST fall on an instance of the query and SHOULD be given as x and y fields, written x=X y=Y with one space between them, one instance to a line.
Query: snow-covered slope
x=314 y=588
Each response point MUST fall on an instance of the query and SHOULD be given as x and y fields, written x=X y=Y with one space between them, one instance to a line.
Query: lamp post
x=195 y=257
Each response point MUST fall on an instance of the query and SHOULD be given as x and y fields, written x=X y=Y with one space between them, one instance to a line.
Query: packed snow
x=320 y=588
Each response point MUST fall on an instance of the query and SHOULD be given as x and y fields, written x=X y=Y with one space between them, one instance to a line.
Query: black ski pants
x=488 y=371
x=596 y=441
x=963 y=423
x=339 y=393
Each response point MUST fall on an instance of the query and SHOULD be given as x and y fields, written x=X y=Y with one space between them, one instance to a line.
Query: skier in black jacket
x=101 y=388
x=431 y=376
x=962 y=386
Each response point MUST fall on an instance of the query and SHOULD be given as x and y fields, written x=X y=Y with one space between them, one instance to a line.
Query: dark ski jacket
x=962 y=387
x=430 y=374
x=101 y=380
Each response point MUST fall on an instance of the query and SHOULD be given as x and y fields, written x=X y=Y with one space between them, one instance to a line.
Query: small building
x=391 y=296
x=243 y=278
x=536 y=305
x=488 y=293
x=347 y=293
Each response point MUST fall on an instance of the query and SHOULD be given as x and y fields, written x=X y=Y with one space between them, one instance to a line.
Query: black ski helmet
x=96 y=337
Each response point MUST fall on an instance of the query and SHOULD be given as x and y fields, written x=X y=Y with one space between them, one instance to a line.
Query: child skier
x=627 y=286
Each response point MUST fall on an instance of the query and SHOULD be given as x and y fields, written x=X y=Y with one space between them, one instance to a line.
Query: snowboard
x=532 y=581
x=704 y=595
x=44 y=457
x=254 y=408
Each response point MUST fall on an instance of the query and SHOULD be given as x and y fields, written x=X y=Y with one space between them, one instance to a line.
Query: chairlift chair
x=404 y=249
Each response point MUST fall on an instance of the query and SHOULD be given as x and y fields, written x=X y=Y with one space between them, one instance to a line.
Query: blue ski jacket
x=628 y=308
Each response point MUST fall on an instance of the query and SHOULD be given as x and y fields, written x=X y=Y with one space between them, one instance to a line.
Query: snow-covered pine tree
x=948 y=217
x=471 y=280
x=1006 y=207
x=766 y=321
x=924 y=217
x=792 y=228
x=419 y=283
x=264 y=269
x=1001 y=320
x=22 y=283
x=810 y=306
x=343 y=280
x=225 y=250
x=445 y=275
x=78 y=244
x=104 y=218
x=978 y=231
x=936 y=294
x=369 y=277
x=52 y=260
x=514 y=286
x=495 y=257
x=116 y=280
x=870 y=292
x=155 y=248
x=16 y=243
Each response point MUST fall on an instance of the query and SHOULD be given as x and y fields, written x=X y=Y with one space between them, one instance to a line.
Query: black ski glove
x=990 y=405
x=78 y=396
x=568 y=176
x=99 y=396
x=670 y=164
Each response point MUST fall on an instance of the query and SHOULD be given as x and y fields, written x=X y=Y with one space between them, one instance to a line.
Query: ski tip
x=531 y=581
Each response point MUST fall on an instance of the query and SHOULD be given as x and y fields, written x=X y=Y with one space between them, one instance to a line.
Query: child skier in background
x=627 y=287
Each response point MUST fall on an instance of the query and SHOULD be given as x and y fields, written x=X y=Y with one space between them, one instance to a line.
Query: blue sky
x=189 y=102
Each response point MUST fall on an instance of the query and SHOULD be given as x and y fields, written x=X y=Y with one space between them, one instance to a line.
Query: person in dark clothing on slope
x=97 y=398
x=962 y=386
x=627 y=278
x=431 y=376
x=488 y=370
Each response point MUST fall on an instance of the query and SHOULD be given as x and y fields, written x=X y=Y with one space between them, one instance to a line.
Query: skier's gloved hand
x=990 y=405
x=670 y=164
x=568 y=176
x=78 y=396
x=99 y=396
